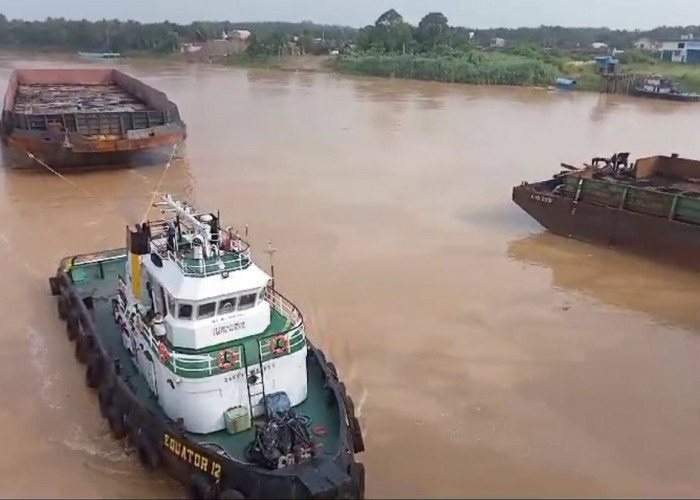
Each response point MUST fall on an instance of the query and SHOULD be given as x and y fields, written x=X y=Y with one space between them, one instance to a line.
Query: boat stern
x=325 y=478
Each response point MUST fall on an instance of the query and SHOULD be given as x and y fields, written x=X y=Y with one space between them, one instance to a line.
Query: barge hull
x=85 y=117
x=160 y=443
x=658 y=237
x=15 y=153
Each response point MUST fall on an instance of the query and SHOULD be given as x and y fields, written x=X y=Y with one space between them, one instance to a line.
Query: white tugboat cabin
x=203 y=323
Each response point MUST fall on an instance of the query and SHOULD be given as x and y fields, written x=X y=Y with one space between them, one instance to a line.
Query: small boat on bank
x=657 y=87
x=651 y=206
x=205 y=367
x=76 y=117
x=100 y=55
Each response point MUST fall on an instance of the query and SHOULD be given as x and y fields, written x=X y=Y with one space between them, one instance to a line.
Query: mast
x=270 y=250
x=188 y=214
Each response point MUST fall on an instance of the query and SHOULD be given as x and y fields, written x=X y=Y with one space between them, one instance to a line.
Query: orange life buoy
x=320 y=430
x=163 y=352
x=280 y=344
x=227 y=358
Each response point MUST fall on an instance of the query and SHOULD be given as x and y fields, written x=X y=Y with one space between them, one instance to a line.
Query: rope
x=160 y=181
x=41 y=162
x=90 y=195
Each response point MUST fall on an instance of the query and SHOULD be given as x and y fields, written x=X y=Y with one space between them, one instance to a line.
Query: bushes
x=480 y=68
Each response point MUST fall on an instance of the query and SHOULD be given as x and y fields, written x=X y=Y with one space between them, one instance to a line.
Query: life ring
x=320 y=430
x=163 y=352
x=227 y=358
x=279 y=344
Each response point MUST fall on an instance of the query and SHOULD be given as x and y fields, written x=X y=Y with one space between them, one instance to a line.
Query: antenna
x=270 y=250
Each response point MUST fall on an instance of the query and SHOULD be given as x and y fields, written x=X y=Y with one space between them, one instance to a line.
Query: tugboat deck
x=100 y=273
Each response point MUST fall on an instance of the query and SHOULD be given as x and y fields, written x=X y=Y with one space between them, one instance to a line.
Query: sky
x=628 y=14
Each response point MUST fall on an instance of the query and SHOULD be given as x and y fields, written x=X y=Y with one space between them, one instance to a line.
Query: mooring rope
x=160 y=181
x=43 y=164
x=90 y=195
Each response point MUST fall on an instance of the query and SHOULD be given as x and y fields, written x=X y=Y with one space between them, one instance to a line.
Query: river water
x=487 y=357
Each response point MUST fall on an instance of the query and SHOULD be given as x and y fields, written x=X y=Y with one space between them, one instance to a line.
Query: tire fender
x=72 y=324
x=149 y=456
x=115 y=419
x=200 y=488
x=95 y=371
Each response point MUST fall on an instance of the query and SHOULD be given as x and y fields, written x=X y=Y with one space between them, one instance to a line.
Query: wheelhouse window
x=227 y=305
x=184 y=311
x=247 y=301
x=206 y=310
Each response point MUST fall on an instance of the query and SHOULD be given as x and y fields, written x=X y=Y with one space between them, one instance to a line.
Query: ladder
x=255 y=381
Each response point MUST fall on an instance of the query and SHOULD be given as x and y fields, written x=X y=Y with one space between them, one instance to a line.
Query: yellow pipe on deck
x=135 y=274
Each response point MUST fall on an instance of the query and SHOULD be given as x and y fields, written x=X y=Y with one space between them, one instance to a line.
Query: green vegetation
x=636 y=61
x=476 y=68
x=134 y=38
x=432 y=50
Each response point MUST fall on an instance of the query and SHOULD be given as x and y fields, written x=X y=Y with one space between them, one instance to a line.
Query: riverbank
x=477 y=68
x=587 y=78
x=307 y=63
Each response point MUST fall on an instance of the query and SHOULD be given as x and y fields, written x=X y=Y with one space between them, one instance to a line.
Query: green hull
x=635 y=196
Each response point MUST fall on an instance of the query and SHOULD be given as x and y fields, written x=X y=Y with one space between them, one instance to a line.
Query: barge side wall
x=661 y=238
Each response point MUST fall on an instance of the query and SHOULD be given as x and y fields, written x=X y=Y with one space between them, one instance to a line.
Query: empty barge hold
x=86 y=116
x=651 y=207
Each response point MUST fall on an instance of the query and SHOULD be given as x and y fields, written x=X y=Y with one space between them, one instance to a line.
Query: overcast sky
x=628 y=14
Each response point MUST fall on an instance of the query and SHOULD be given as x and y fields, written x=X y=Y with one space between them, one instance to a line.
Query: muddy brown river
x=487 y=357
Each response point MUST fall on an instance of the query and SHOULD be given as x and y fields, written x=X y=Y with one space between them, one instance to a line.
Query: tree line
x=131 y=36
x=389 y=34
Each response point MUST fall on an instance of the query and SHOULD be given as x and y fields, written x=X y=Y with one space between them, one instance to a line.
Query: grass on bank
x=479 y=68
x=519 y=66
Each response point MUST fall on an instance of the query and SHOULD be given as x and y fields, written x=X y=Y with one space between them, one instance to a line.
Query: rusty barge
x=86 y=117
x=649 y=207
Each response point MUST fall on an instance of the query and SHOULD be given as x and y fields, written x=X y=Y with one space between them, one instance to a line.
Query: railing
x=204 y=365
x=107 y=123
x=237 y=258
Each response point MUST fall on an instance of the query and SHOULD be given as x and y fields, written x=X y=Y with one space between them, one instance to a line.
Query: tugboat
x=205 y=367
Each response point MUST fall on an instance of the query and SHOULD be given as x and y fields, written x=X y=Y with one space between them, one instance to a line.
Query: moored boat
x=657 y=87
x=651 y=206
x=86 y=117
x=205 y=367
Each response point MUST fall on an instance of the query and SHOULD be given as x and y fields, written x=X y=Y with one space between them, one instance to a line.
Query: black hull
x=657 y=237
x=666 y=97
x=161 y=444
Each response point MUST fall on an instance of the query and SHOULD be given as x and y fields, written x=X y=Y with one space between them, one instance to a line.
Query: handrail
x=233 y=260
x=199 y=365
